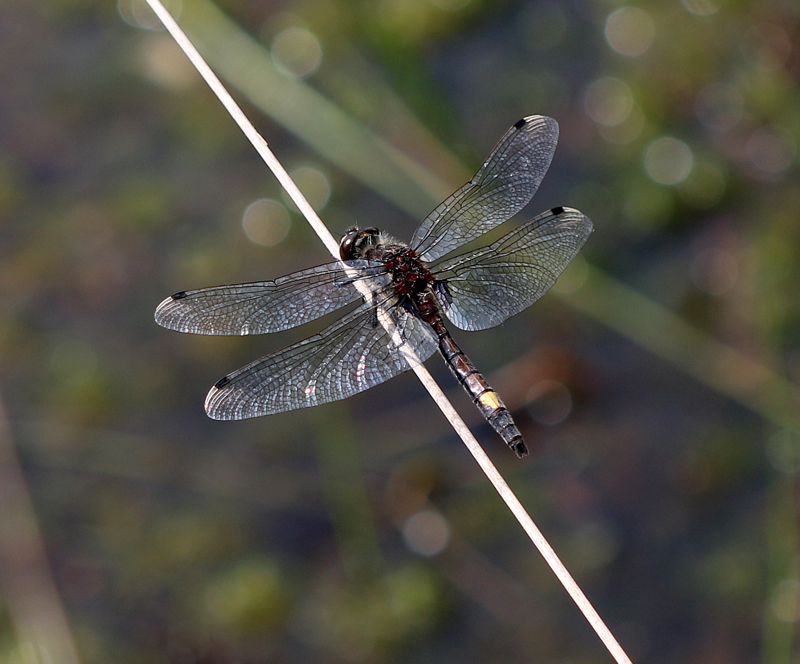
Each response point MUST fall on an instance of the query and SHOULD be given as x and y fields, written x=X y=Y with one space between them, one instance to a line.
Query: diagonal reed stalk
x=427 y=380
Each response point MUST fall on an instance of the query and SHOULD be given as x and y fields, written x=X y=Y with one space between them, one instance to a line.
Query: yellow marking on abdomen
x=489 y=399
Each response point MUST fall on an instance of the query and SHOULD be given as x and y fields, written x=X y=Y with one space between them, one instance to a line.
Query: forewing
x=486 y=286
x=350 y=356
x=502 y=187
x=264 y=306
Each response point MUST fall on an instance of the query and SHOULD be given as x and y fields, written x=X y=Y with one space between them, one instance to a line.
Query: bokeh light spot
x=767 y=46
x=593 y=545
x=247 y=599
x=315 y=187
x=138 y=13
x=630 y=31
x=668 y=160
x=608 y=101
x=714 y=271
x=573 y=277
x=549 y=402
x=719 y=106
x=426 y=532
x=162 y=62
x=628 y=130
x=701 y=7
x=783 y=451
x=771 y=149
x=785 y=600
x=266 y=222
x=296 y=52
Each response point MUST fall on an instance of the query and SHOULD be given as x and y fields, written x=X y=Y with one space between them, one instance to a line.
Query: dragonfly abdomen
x=483 y=396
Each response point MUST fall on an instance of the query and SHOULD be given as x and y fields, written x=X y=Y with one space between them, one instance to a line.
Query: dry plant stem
x=422 y=373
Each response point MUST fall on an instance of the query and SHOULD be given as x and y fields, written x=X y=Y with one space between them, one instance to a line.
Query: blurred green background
x=656 y=385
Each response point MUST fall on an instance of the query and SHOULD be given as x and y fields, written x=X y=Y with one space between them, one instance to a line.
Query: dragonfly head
x=357 y=242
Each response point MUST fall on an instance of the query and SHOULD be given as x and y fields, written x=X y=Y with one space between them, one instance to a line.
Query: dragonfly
x=411 y=287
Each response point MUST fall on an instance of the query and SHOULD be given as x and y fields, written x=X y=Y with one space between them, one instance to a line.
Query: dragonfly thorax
x=408 y=273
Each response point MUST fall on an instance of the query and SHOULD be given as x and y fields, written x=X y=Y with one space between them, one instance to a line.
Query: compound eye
x=347 y=245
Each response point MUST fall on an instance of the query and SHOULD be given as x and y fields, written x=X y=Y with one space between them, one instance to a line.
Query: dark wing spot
x=179 y=296
x=520 y=124
x=557 y=210
x=442 y=290
x=222 y=382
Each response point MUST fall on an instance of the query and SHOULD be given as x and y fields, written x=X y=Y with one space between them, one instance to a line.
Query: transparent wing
x=350 y=356
x=264 y=306
x=502 y=187
x=488 y=285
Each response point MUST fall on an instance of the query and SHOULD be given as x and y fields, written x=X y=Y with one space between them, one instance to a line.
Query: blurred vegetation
x=657 y=385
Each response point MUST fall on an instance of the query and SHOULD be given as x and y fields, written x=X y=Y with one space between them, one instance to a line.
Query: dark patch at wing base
x=490 y=284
